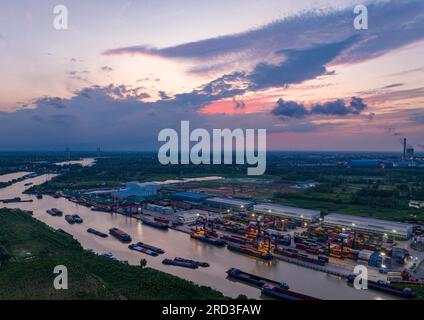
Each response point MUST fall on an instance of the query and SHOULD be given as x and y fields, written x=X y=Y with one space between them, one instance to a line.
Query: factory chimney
x=404 y=149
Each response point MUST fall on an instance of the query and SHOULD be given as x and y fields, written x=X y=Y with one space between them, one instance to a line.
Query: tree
x=143 y=263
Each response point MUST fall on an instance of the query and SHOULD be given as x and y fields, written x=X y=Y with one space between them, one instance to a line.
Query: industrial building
x=159 y=209
x=396 y=229
x=229 y=203
x=287 y=212
x=190 y=196
x=136 y=189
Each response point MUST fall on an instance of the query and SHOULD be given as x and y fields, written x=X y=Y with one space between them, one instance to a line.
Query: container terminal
x=331 y=243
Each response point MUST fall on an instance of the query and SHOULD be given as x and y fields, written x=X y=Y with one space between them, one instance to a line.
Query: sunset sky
x=124 y=70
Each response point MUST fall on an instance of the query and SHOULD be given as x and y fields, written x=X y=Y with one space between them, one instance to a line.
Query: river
x=178 y=244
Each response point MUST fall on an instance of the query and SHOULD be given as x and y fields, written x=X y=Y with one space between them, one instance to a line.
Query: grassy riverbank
x=29 y=251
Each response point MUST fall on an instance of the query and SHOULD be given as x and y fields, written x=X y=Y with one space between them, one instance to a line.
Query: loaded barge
x=208 y=239
x=281 y=293
x=141 y=249
x=183 y=264
x=251 y=251
x=199 y=263
x=152 y=248
x=155 y=224
x=97 y=233
x=381 y=286
x=55 y=212
x=253 y=279
x=120 y=235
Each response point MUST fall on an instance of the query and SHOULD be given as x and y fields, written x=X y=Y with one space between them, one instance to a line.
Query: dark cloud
x=394 y=24
x=291 y=109
x=113 y=117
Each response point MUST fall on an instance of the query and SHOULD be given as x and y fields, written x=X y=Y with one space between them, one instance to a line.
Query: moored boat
x=199 y=263
x=136 y=247
x=255 y=280
x=70 y=219
x=210 y=240
x=384 y=287
x=180 y=264
x=120 y=235
x=155 y=224
x=97 y=233
x=154 y=249
x=250 y=251
x=55 y=212
x=281 y=293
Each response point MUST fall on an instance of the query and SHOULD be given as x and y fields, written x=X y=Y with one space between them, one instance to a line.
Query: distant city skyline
x=124 y=70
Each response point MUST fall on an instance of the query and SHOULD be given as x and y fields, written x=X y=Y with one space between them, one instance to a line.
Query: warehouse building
x=286 y=212
x=229 y=203
x=396 y=229
x=190 y=196
x=136 y=189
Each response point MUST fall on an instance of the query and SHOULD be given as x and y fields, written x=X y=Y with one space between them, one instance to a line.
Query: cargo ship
x=207 y=239
x=155 y=224
x=55 y=212
x=136 y=247
x=249 y=251
x=381 y=286
x=154 y=249
x=180 y=264
x=120 y=235
x=281 y=293
x=253 y=279
x=199 y=263
x=97 y=233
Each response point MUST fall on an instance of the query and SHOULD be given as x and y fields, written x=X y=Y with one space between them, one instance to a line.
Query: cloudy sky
x=124 y=70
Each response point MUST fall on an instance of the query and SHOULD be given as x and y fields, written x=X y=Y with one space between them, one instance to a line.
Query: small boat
x=99 y=209
x=154 y=249
x=39 y=196
x=120 y=235
x=180 y=264
x=199 y=263
x=155 y=224
x=55 y=212
x=255 y=280
x=250 y=251
x=281 y=293
x=77 y=219
x=70 y=219
x=97 y=233
x=210 y=240
x=384 y=287
x=141 y=249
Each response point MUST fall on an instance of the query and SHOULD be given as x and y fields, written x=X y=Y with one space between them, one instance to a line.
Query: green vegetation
x=373 y=192
x=29 y=251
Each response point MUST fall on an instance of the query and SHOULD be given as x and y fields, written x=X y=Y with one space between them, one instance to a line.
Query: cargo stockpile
x=295 y=254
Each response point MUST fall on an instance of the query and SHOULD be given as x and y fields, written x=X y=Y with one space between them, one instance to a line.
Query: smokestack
x=404 y=149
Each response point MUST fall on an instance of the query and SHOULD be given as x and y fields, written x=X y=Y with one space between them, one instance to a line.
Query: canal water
x=178 y=244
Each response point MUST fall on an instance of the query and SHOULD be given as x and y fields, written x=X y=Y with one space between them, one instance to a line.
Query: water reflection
x=178 y=244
